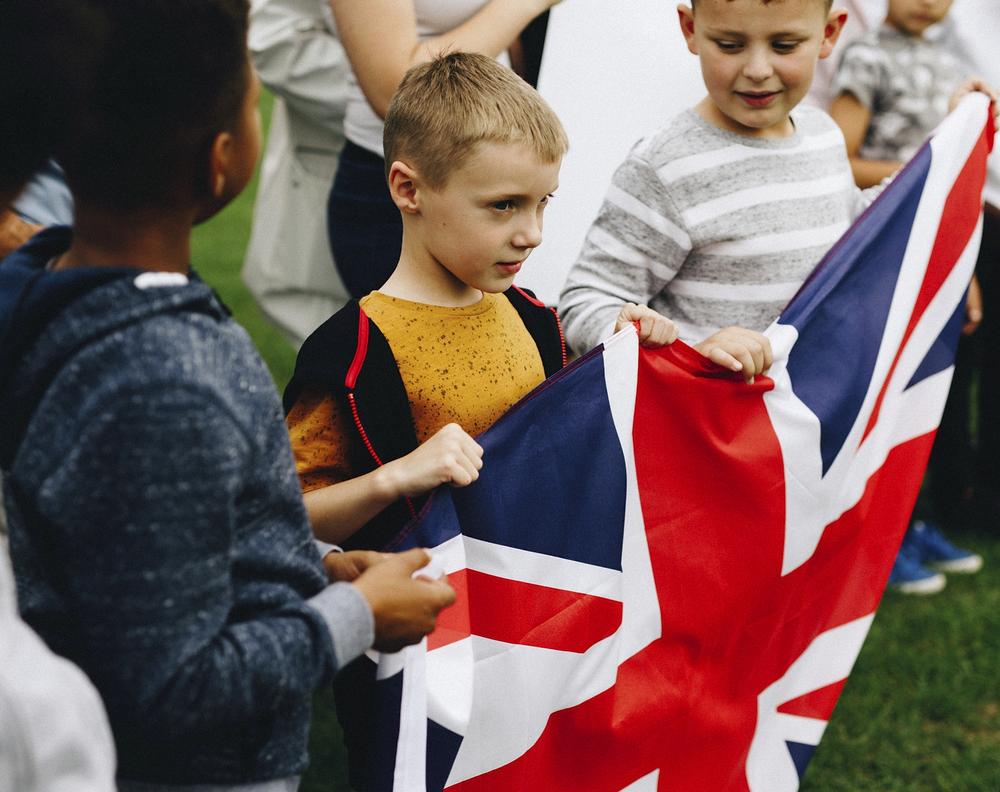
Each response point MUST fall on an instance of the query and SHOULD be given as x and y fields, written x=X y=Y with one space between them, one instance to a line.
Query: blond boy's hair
x=445 y=107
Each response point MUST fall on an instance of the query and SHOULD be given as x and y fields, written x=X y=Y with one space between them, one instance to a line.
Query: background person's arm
x=380 y=37
x=853 y=118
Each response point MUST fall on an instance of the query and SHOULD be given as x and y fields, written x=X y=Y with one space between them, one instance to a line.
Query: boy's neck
x=154 y=241
x=419 y=277
x=902 y=30
x=708 y=111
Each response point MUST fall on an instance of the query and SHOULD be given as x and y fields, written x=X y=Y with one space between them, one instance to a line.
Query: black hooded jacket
x=349 y=358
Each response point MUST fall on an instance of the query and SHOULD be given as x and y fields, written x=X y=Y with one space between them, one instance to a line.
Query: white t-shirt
x=362 y=126
x=54 y=735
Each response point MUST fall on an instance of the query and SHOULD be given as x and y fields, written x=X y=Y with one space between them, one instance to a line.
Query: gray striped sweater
x=712 y=228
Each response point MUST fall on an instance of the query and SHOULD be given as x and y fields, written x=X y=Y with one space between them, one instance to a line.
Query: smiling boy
x=719 y=217
x=758 y=69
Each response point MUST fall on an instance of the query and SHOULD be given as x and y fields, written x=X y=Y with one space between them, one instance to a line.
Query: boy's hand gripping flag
x=665 y=575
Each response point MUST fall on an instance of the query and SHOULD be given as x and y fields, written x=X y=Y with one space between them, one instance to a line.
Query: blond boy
x=388 y=391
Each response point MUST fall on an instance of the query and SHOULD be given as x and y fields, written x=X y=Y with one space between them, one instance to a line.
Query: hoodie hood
x=47 y=316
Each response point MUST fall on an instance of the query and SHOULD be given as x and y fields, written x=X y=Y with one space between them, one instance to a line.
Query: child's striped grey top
x=712 y=228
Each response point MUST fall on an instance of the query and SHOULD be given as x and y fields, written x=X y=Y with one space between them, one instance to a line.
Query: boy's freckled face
x=915 y=16
x=757 y=59
x=487 y=218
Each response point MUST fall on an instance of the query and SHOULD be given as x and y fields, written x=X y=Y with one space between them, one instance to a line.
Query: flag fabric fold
x=665 y=575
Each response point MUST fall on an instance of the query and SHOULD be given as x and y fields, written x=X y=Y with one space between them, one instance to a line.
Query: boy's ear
x=218 y=164
x=222 y=180
x=685 y=15
x=831 y=31
x=404 y=187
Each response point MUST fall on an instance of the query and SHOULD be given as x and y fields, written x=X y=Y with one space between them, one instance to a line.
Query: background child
x=893 y=86
x=720 y=216
x=157 y=530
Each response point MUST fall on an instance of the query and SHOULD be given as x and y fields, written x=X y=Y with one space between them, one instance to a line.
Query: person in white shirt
x=288 y=266
x=383 y=39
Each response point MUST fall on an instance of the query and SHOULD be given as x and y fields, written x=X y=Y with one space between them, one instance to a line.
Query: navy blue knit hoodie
x=157 y=531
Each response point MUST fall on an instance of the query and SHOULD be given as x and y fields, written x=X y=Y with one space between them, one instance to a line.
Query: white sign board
x=613 y=72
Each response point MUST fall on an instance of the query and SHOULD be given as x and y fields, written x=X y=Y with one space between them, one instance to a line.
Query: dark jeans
x=987 y=340
x=362 y=222
x=952 y=463
x=964 y=462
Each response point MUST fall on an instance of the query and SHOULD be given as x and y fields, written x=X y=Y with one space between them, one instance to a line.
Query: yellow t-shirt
x=464 y=365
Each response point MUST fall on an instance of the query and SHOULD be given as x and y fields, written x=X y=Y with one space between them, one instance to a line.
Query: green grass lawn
x=921 y=710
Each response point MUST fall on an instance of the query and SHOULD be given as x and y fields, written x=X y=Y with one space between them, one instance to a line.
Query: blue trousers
x=964 y=484
x=363 y=223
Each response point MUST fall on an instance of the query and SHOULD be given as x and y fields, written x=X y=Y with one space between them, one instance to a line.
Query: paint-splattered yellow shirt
x=459 y=365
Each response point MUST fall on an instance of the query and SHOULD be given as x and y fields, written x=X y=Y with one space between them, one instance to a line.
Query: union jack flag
x=664 y=575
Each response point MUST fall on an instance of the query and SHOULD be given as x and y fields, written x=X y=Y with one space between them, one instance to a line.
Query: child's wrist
x=387 y=483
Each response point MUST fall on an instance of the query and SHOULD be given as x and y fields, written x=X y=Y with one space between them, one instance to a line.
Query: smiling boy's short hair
x=443 y=108
x=827 y=4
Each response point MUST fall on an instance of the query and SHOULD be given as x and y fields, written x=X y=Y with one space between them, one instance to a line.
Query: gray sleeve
x=860 y=72
x=142 y=510
x=632 y=251
x=325 y=547
x=300 y=59
x=349 y=619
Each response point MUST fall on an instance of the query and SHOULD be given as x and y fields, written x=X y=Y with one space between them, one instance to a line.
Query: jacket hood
x=47 y=316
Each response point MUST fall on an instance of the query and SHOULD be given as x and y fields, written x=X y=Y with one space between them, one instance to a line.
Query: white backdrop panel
x=613 y=72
